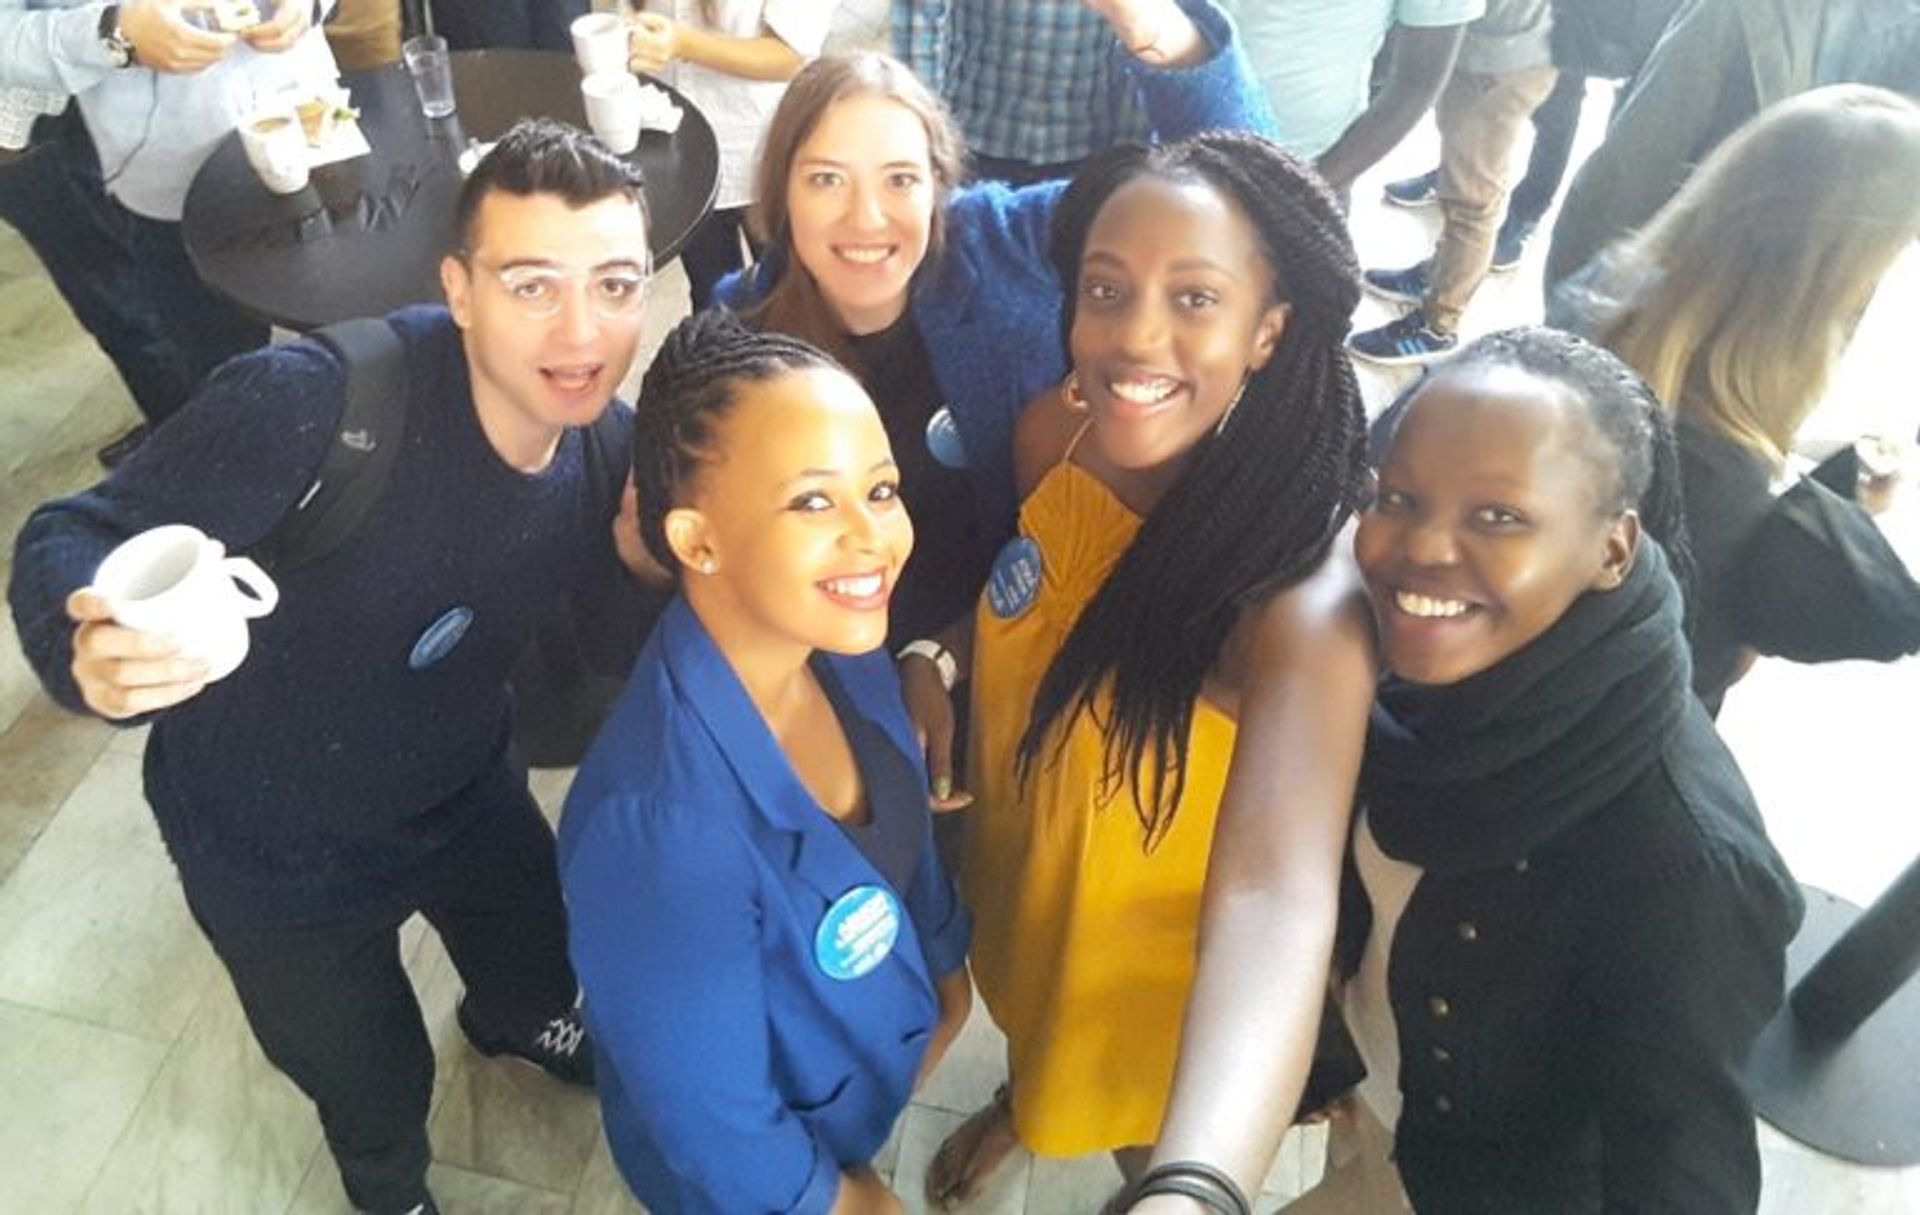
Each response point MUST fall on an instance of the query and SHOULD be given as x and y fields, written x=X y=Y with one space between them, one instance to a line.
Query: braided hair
x=1255 y=510
x=1636 y=464
x=691 y=386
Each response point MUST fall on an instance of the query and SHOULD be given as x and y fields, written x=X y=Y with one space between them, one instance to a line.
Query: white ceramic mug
x=600 y=42
x=276 y=148
x=178 y=583
x=613 y=109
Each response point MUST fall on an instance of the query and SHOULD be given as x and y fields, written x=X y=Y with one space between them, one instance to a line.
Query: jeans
x=1479 y=116
x=332 y=1008
x=202 y=325
x=54 y=197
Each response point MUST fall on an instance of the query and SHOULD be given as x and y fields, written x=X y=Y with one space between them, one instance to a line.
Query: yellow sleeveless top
x=1083 y=944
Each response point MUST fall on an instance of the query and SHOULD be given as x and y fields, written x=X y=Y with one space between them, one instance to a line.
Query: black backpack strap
x=373 y=425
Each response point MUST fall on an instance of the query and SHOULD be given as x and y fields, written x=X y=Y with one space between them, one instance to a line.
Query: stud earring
x=1070 y=393
x=706 y=565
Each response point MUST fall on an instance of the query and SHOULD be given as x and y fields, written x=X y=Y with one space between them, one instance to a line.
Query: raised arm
x=1267 y=920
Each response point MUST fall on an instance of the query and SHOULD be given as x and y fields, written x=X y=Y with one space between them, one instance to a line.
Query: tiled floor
x=128 y=1082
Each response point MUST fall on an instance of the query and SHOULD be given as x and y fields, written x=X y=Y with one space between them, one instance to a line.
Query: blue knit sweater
x=325 y=775
x=989 y=307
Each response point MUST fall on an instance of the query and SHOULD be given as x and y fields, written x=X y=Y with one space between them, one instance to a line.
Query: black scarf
x=1482 y=772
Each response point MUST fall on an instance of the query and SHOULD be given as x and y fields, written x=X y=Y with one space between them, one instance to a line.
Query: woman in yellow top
x=1172 y=672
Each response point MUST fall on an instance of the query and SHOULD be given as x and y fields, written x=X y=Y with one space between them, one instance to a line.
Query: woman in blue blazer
x=771 y=953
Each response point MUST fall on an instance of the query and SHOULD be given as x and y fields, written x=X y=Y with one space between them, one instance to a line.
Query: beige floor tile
x=1796 y=1179
x=602 y=1190
x=45 y=753
x=130 y=741
x=220 y=1132
x=67 y=1092
x=456 y=1191
x=976 y=1065
x=1298 y=1164
x=1078 y=1186
x=926 y=1128
x=506 y=1119
x=92 y=922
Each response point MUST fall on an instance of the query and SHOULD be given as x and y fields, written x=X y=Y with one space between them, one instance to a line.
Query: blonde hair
x=794 y=305
x=1763 y=262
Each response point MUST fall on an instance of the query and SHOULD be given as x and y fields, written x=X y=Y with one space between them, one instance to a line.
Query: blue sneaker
x=1421 y=191
x=1408 y=286
x=1509 y=247
x=1407 y=340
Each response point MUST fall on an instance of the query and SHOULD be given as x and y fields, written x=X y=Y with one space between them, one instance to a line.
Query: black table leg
x=1839 y=1067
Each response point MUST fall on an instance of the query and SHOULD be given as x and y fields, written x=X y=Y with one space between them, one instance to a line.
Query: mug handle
x=263 y=594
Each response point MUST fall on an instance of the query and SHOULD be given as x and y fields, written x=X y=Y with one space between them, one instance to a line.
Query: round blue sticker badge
x=440 y=638
x=1014 y=582
x=943 y=440
x=857 y=933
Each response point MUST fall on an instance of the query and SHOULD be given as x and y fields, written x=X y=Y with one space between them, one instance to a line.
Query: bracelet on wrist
x=940 y=656
x=1194 y=1179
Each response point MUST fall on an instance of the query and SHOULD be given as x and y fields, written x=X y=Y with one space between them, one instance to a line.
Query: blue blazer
x=988 y=308
x=734 y=1075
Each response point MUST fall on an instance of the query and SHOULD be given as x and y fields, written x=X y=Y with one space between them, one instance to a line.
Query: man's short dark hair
x=541 y=156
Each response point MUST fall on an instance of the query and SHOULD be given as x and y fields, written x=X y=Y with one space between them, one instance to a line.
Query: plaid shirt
x=1030 y=80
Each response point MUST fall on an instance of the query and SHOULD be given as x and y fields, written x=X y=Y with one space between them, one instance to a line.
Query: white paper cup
x=613 y=108
x=178 y=583
x=600 y=42
x=276 y=148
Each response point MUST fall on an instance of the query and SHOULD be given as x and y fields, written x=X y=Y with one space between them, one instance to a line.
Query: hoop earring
x=1220 y=427
x=1070 y=393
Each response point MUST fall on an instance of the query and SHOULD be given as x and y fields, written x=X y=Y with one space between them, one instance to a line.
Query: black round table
x=366 y=236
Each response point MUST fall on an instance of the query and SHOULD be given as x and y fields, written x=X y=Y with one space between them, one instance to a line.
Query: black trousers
x=332 y=1008
x=201 y=324
x=54 y=197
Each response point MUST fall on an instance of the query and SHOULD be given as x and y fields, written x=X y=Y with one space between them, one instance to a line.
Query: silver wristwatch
x=118 y=50
x=941 y=657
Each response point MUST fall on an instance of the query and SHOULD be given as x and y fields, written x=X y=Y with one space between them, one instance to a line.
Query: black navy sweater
x=328 y=773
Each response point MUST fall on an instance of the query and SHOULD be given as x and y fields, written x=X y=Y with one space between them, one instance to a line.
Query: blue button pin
x=857 y=933
x=943 y=439
x=440 y=638
x=1014 y=582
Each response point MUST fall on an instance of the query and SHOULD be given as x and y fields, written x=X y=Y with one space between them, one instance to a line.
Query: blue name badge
x=1014 y=582
x=440 y=638
x=943 y=440
x=857 y=933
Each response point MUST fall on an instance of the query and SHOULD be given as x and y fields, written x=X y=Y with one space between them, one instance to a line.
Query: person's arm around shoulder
x=1272 y=888
x=663 y=928
x=1420 y=60
x=1684 y=968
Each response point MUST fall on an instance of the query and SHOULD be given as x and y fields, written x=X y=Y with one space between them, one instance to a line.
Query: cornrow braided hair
x=1258 y=506
x=689 y=388
x=1637 y=462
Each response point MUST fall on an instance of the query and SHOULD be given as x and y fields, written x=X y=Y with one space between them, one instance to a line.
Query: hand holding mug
x=122 y=672
x=653 y=43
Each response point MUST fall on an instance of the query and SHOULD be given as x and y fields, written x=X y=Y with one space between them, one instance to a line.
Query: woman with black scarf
x=1573 y=925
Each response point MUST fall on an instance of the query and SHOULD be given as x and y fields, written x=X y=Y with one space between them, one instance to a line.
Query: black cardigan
x=1571 y=1025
